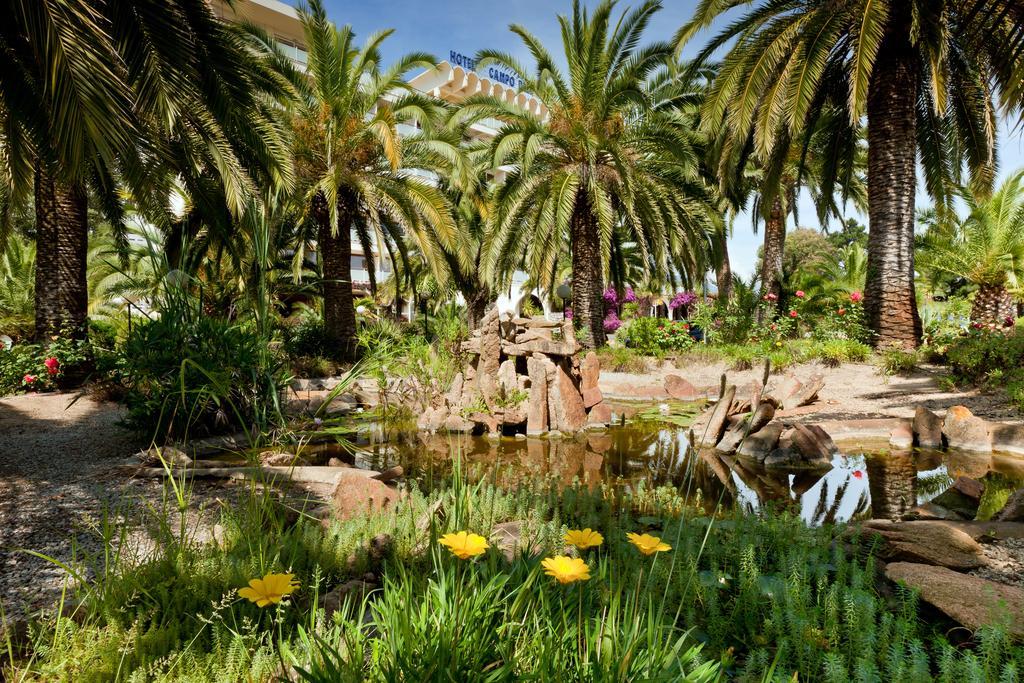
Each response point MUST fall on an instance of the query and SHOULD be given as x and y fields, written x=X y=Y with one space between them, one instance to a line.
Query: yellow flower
x=648 y=544
x=269 y=590
x=465 y=545
x=587 y=538
x=566 y=569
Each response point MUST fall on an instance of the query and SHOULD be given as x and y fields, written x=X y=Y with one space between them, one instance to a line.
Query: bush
x=656 y=335
x=897 y=362
x=990 y=357
x=42 y=367
x=622 y=359
x=308 y=339
x=835 y=352
x=187 y=373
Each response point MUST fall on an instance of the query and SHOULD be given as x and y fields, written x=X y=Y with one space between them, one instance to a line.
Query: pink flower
x=28 y=379
x=858 y=474
x=770 y=297
x=792 y=313
x=856 y=297
x=799 y=294
x=52 y=365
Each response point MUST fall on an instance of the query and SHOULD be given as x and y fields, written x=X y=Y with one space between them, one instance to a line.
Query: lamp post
x=564 y=291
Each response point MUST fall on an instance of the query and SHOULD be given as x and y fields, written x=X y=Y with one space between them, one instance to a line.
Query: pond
x=864 y=481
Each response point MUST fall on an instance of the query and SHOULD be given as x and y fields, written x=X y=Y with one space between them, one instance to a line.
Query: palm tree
x=98 y=96
x=986 y=248
x=359 y=175
x=603 y=156
x=925 y=72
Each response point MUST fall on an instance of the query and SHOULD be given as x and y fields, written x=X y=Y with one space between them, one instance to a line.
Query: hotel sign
x=495 y=73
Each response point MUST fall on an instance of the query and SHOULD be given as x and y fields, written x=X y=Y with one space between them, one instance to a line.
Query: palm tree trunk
x=889 y=298
x=992 y=305
x=477 y=302
x=587 y=284
x=335 y=249
x=62 y=243
x=774 y=247
x=723 y=276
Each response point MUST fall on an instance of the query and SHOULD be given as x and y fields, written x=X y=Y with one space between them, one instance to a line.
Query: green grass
x=736 y=591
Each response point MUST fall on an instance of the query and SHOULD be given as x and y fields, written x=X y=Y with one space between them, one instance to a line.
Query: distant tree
x=850 y=232
x=807 y=251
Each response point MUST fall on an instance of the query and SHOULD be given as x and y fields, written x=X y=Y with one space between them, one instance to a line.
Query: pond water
x=865 y=481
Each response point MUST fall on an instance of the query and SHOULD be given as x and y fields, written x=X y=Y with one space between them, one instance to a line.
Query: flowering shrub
x=682 y=300
x=654 y=335
x=611 y=322
x=40 y=367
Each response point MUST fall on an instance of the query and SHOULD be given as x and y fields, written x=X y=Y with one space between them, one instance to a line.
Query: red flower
x=856 y=297
x=799 y=294
x=841 y=311
x=793 y=313
x=770 y=297
x=52 y=365
x=858 y=474
x=28 y=379
x=774 y=326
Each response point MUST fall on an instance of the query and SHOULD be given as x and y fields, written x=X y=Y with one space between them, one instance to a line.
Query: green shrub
x=991 y=357
x=43 y=367
x=188 y=373
x=622 y=359
x=835 y=352
x=308 y=339
x=652 y=335
x=897 y=362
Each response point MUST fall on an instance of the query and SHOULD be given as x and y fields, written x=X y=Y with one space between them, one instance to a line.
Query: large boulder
x=590 y=371
x=969 y=600
x=565 y=404
x=762 y=442
x=537 y=412
x=1013 y=511
x=902 y=436
x=355 y=494
x=927 y=542
x=1008 y=438
x=712 y=431
x=745 y=426
x=680 y=389
x=965 y=431
x=928 y=427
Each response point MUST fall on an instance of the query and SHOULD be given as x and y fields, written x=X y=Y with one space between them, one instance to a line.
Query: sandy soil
x=851 y=391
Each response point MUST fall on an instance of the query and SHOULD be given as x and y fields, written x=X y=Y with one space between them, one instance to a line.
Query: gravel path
x=852 y=391
x=55 y=455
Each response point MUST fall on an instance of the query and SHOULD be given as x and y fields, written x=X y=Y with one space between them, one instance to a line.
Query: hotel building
x=453 y=80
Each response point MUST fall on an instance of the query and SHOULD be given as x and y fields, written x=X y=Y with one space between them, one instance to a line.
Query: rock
x=1008 y=438
x=965 y=431
x=490 y=354
x=507 y=376
x=336 y=462
x=590 y=371
x=458 y=425
x=712 y=433
x=156 y=456
x=806 y=394
x=741 y=426
x=926 y=542
x=759 y=444
x=389 y=474
x=354 y=592
x=788 y=386
x=591 y=397
x=537 y=412
x=680 y=389
x=928 y=427
x=811 y=445
x=356 y=494
x=969 y=600
x=489 y=422
x=431 y=419
x=1013 y=511
x=902 y=437
x=601 y=414
x=933 y=511
x=280 y=459
x=565 y=405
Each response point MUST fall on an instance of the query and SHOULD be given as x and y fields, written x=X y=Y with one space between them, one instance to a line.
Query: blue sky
x=466 y=27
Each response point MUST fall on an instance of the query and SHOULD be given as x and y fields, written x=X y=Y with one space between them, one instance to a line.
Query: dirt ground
x=851 y=391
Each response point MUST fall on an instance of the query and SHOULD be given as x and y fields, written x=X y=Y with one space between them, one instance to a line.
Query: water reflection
x=881 y=484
